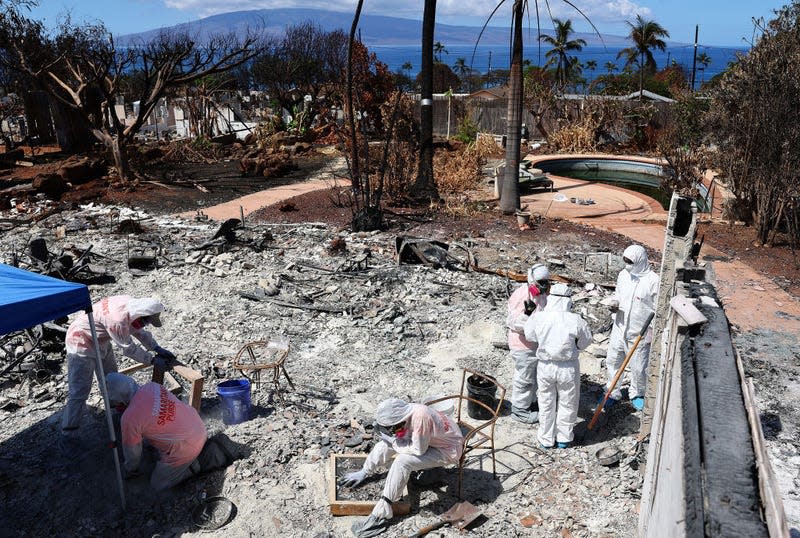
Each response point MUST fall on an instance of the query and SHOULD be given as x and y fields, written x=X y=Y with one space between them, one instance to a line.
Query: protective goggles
x=397 y=427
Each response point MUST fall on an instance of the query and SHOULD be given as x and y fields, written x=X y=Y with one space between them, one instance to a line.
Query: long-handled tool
x=620 y=371
x=459 y=515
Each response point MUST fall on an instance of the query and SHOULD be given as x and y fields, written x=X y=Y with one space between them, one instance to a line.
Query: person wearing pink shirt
x=152 y=414
x=523 y=303
x=118 y=320
x=421 y=438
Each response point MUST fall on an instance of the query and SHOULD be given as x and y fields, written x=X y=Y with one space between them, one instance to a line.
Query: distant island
x=374 y=29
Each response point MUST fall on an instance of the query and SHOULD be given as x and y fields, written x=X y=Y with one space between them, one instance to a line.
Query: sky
x=721 y=22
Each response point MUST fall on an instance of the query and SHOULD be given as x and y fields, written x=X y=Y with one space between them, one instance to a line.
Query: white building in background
x=226 y=122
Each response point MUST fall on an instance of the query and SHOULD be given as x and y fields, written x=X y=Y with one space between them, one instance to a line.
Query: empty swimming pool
x=637 y=176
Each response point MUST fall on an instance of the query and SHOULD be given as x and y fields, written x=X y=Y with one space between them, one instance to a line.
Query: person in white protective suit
x=421 y=438
x=117 y=320
x=560 y=335
x=633 y=301
x=154 y=415
x=523 y=303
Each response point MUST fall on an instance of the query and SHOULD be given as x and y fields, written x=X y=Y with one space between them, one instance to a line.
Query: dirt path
x=233 y=209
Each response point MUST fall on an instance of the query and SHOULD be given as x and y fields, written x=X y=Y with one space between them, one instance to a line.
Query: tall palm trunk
x=641 y=75
x=425 y=187
x=509 y=195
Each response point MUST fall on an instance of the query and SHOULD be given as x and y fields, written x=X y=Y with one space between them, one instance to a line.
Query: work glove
x=161 y=363
x=530 y=306
x=167 y=354
x=386 y=438
x=352 y=480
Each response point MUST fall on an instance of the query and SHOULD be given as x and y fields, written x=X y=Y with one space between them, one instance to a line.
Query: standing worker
x=560 y=335
x=633 y=302
x=523 y=303
x=152 y=413
x=421 y=438
x=116 y=319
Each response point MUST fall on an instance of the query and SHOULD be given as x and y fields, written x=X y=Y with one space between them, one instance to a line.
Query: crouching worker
x=561 y=335
x=118 y=320
x=421 y=438
x=153 y=414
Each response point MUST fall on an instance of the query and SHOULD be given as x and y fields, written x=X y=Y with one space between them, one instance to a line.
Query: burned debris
x=389 y=327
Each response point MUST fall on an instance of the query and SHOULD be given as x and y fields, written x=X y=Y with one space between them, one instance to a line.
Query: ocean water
x=486 y=57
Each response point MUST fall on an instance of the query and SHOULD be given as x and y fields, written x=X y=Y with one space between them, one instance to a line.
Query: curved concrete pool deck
x=614 y=208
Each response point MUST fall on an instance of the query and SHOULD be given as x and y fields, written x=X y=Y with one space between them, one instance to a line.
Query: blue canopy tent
x=28 y=299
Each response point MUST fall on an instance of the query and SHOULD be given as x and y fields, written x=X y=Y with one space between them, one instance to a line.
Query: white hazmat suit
x=117 y=319
x=561 y=335
x=635 y=297
x=523 y=352
x=428 y=439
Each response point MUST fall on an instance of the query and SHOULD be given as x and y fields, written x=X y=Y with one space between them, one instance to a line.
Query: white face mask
x=629 y=267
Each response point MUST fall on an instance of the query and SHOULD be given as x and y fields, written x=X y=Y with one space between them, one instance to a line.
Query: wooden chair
x=478 y=433
x=260 y=355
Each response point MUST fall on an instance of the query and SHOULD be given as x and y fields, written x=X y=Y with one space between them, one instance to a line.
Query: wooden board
x=193 y=377
x=352 y=502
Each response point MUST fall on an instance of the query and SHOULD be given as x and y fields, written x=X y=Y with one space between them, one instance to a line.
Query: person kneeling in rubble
x=561 y=334
x=421 y=438
x=152 y=414
x=117 y=319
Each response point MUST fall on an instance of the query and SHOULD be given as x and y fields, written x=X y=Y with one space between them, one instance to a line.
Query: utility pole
x=694 y=61
x=489 y=70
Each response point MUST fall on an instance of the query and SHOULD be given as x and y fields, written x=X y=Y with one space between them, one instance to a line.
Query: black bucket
x=482 y=389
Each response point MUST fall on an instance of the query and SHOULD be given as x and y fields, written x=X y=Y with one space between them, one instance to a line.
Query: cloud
x=599 y=11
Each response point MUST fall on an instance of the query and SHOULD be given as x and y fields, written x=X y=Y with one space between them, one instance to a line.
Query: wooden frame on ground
x=344 y=507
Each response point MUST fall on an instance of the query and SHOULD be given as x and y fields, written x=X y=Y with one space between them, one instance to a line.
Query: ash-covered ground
x=361 y=327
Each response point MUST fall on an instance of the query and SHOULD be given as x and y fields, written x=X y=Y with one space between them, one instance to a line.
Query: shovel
x=620 y=372
x=459 y=515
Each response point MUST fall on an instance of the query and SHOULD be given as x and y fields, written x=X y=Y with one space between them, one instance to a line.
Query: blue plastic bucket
x=235 y=395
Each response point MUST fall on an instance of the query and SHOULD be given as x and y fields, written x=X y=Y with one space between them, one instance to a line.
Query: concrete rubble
x=361 y=328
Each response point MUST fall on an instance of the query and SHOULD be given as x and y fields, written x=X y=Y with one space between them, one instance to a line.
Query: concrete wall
x=706 y=472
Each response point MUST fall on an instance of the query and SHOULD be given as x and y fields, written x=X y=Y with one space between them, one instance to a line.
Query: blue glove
x=167 y=354
x=161 y=363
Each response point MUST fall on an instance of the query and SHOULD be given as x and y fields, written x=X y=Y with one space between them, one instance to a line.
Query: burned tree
x=86 y=72
x=306 y=61
x=755 y=117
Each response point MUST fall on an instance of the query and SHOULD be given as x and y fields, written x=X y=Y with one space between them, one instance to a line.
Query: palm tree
x=646 y=35
x=462 y=70
x=704 y=60
x=438 y=50
x=509 y=197
x=561 y=45
x=610 y=67
x=424 y=188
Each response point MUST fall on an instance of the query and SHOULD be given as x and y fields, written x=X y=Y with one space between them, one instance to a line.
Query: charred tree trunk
x=424 y=189
x=39 y=117
x=72 y=131
x=509 y=195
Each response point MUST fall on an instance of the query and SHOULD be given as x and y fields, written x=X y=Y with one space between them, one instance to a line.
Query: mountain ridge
x=374 y=29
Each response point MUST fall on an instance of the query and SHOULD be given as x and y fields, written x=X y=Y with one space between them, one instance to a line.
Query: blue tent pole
x=104 y=390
